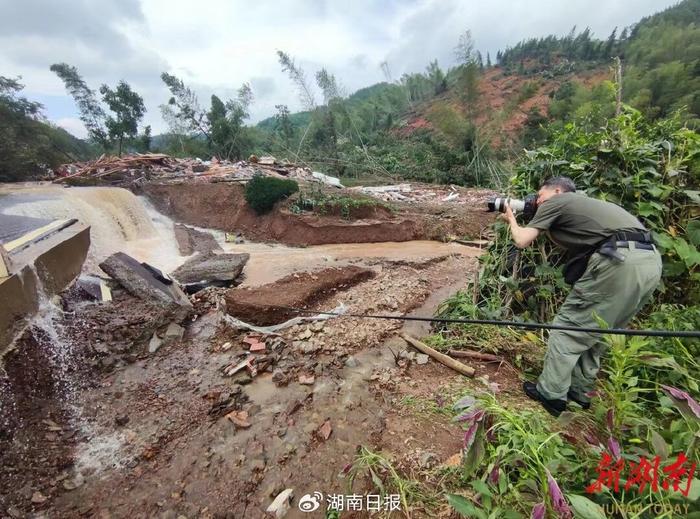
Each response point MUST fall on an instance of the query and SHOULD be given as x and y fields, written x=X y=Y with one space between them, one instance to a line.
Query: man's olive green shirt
x=576 y=222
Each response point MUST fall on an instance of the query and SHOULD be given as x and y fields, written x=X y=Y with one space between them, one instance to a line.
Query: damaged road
x=217 y=421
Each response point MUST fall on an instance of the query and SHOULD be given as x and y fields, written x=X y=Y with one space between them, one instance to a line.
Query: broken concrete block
x=280 y=506
x=307 y=380
x=209 y=268
x=143 y=281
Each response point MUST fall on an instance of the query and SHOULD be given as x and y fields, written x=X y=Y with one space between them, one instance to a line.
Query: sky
x=215 y=46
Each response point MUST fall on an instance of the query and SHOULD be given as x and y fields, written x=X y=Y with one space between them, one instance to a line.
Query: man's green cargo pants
x=613 y=290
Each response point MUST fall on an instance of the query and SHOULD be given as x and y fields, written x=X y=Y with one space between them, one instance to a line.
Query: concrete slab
x=43 y=264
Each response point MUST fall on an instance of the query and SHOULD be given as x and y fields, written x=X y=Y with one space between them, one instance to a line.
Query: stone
x=352 y=362
x=174 y=332
x=280 y=378
x=38 y=497
x=307 y=380
x=317 y=326
x=210 y=268
x=239 y=419
x=324 y=432
x=155 y=343
x=306 y=334
x=422 y=358
x=280 y=505
x=121 y=421
x=147 y=283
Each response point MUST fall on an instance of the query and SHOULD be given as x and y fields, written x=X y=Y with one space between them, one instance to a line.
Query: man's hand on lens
x=508 y=215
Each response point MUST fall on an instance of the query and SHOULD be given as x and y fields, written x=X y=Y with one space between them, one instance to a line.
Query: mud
x=148 y=445
x=222 y=206
x=264 y=305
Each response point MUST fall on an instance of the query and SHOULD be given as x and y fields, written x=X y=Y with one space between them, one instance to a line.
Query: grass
x=387 y=480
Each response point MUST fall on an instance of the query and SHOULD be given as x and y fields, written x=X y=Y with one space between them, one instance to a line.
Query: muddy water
x=121 y=221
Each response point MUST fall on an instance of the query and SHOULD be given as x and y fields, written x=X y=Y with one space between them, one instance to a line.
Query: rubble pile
x=138 y=168
x=426 y=193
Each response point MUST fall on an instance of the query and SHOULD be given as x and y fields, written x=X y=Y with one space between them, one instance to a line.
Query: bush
x=262 y=193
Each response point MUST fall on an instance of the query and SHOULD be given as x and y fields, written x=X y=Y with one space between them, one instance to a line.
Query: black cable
x=493 y=322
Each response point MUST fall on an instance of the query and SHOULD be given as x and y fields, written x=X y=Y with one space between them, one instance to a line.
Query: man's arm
x=522 y=236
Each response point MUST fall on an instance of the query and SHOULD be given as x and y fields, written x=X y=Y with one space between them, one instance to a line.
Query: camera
x=527 y=206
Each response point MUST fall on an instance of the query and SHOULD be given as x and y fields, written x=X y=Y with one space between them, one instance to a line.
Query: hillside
x=459 y=125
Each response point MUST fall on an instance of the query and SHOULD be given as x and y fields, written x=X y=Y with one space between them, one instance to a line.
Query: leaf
x=659 y=444
x=481 y=487
x=464 y=403
x=464 y=507
x=693 y=195
x=584 y=508
x=692 y=230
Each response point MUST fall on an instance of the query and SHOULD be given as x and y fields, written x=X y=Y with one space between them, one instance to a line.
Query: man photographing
x=614 y=269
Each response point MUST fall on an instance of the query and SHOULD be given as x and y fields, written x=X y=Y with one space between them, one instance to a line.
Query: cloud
x=72 y=125
x=217 y=45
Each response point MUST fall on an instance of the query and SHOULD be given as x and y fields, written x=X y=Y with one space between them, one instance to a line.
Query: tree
x=283 y=125
x=128 y=109
x=91 y=113
x=436 y=77
x=328 y=85
x=146 y=139
x=488 y=60
x=183 y=107
x=226 y=123
x=28 y=143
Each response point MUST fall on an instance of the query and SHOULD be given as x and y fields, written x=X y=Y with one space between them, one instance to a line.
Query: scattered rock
x=324 y=432
x=239 y=419
x=306 y=334
x=226 y=346
x=280 y=378
x=14 y=512
x=280 y=505
x=174 y=332
x=38 y=497
x=121 y=421
x=317 y=326
x=307 y=380
x=422 y=358
x=155 y=343
x=352 y=362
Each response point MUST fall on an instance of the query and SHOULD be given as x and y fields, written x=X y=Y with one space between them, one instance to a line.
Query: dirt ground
x=170 y=434
x=222 y=206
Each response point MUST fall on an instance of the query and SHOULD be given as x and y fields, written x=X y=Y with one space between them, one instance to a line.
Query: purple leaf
x=469 y=437
x=559 y=504
x=493 y=476
x=464 y=403
x=593 y=394
x=591 y=439
x=614 y=447
x=475 y=415
x=611 y=419
x=683 y=397
x=538 y=511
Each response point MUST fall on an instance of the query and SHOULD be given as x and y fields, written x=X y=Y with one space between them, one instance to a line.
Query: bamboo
x=440 y=357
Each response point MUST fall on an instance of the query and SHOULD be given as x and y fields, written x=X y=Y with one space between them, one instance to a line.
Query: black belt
x=637 y=245
x=635 y=236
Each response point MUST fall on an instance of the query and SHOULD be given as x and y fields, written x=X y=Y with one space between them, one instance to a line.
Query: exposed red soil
x=261 y=305
x=222 y=206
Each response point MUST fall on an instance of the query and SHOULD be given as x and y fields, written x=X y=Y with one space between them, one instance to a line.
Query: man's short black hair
x=564 y=183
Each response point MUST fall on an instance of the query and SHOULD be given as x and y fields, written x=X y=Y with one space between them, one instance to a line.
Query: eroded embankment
x=222 y=206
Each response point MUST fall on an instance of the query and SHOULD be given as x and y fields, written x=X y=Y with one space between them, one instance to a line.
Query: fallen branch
x=466 y=354
x=440 y=357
